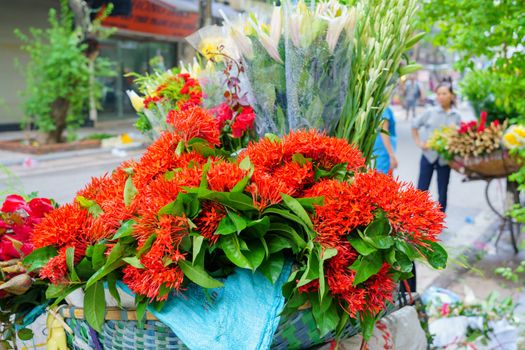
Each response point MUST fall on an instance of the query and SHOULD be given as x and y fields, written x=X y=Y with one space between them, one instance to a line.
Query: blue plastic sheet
x=244 y=314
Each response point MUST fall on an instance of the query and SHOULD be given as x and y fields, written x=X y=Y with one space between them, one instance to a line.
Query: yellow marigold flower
x=511 y=140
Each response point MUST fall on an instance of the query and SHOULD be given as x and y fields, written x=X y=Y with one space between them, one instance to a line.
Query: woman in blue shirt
x=386 y=142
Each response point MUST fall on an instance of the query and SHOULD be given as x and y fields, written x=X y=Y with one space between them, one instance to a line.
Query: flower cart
x=485 y=152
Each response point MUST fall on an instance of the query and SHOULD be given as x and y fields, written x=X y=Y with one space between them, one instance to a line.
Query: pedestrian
x=412 y=95
x=422 y=128
x=385 y=144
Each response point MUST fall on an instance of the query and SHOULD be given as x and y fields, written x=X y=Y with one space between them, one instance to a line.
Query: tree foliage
x=488 y=36
x=58 y=75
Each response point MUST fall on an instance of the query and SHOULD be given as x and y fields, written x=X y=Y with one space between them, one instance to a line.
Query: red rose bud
x=483 y=120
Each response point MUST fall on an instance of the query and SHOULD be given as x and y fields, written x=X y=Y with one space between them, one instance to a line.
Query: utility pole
x=205 y=13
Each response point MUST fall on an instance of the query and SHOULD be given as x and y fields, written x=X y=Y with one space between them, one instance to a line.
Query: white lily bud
x=136 y=101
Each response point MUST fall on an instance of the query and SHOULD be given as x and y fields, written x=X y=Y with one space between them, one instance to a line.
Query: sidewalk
x=113 y=127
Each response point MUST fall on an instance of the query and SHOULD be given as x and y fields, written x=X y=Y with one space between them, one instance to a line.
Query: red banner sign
x=150 y=18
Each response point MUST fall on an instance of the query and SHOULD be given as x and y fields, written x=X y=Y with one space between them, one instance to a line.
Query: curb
x=68 y=154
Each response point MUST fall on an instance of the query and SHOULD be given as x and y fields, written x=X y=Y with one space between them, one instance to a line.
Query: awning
x=193 y=6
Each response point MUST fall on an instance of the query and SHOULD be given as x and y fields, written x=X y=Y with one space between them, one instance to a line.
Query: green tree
x=58 y=75
x=488 y=36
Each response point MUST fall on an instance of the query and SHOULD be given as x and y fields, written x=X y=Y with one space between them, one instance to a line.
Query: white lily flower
x=270 y=42
x=136 y=101
x=276 y=24
x=294 y=25
x=335 y=27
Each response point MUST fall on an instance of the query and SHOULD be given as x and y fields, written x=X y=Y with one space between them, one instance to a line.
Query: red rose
x=13 y=203
x=222 y=113
x=243 y=121
x=40 y=207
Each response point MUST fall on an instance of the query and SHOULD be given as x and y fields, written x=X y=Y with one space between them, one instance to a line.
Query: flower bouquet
x=186 y=214
x=475 y=148
x=170 y=90
x=19 y=292
x=327 y=66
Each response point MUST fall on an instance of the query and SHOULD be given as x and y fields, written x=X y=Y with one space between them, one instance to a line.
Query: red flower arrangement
x=181 y=88
x=185 y=211
x=17 y=219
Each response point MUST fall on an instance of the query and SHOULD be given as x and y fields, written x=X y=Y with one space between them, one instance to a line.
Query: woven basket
x=122 y=332
x=495 y=165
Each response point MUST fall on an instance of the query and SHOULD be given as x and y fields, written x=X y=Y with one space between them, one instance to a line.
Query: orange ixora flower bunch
x=186 y=212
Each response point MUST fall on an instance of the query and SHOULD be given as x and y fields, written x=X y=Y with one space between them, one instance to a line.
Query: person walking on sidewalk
x=422 y=128
x=385 y=145
x=412 y=95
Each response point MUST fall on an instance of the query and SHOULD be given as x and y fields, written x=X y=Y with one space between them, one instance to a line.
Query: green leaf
x=414 y=40
x=103 y=272
x=226 y=227
x=146 y=246
x=299 y=159
x=93 y=208
x=367 y=267
x=367 y=326
x=112 y=287
x=231 y=247
x=272 y=137
x=95 y=305
x=403 y=263
x=278 y=243
x=204 y=177
x=272 y=267
x=255 y=254
x=380 y=242
x=179 y=149
x=312 y=269
x=84 y=269
x=241 y=185
x=99 y=257
x=409 y=69
x=407 y=249
x=329 y=320
x=197 y=246
x=290 y=216
x=298 y=209
x=239 y=222
x=260 y=226
x=198 y=276
x=70 y=262
x=246 y=164
x=125 y=230
x=38 y=258
x=328 y=253
x=437 y=255
x=234 y=200
x=309 y=203
x=361 y=246
x=133 y=261
x=289 y=232
x=141 y=312
x=169 y=175
x=379 y=227
x=116 y=253
x=25 y=334
x=130 y=191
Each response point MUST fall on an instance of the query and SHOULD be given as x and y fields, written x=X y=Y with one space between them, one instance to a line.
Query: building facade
x=155 y=28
